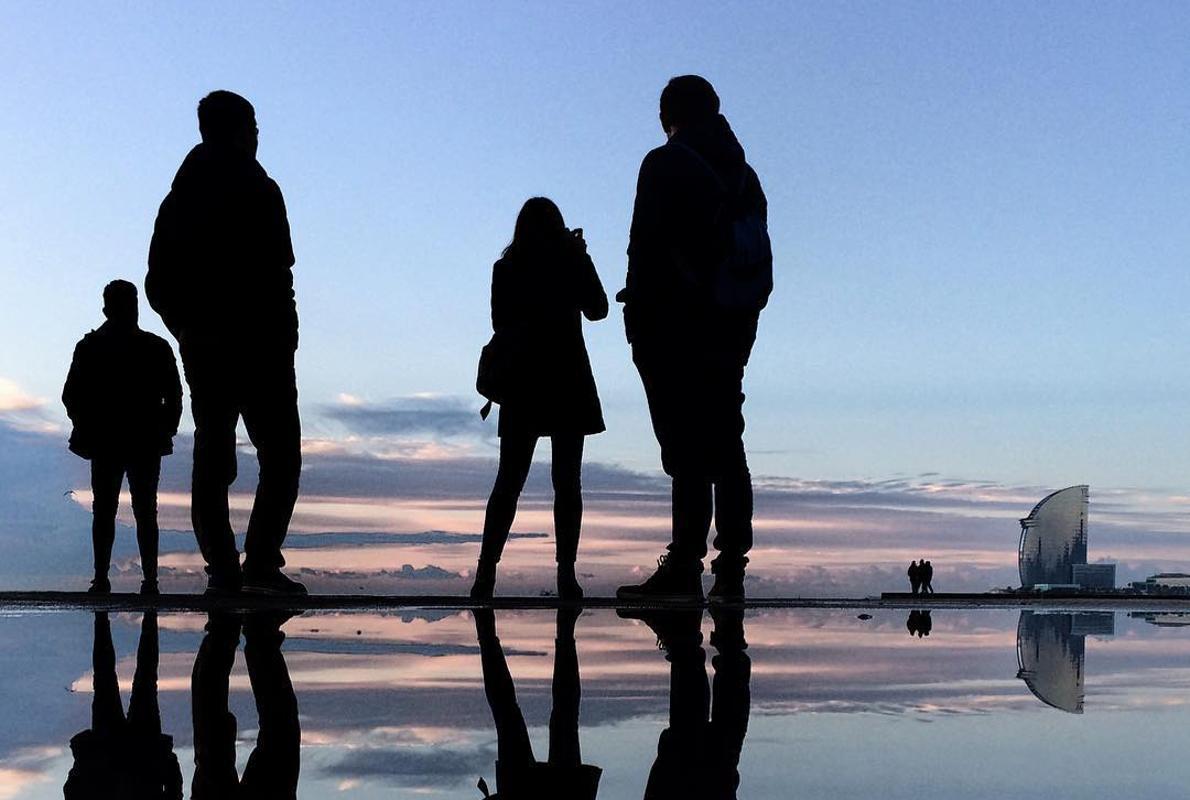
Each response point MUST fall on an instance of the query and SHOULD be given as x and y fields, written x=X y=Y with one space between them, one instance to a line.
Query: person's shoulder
x=154 y=341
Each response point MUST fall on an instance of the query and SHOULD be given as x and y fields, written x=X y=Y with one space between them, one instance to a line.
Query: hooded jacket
x=220 y=261
x=674 y=240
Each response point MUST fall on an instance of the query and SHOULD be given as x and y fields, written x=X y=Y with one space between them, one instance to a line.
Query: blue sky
x=979 y=211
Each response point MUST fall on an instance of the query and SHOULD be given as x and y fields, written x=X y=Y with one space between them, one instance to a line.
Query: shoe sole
x=642 y=597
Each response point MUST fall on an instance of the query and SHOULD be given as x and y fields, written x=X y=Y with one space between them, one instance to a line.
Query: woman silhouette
x=540 y=286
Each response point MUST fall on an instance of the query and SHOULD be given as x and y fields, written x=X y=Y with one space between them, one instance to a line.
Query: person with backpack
x=699 y=273
x=124 y=398
x=536 y=366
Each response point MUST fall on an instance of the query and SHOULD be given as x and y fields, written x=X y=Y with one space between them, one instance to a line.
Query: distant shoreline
x=81 y=601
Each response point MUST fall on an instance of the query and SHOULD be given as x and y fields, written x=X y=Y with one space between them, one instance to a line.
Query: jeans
x=107 y=475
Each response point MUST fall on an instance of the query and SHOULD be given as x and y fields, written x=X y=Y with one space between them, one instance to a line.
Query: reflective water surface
x=526 y=704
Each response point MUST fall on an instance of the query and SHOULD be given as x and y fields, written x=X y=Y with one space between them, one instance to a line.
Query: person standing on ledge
x=542 y=287
x=124 y=397
x=914 y=573
x=699 y=273
x=927 y=577
x=220 y=275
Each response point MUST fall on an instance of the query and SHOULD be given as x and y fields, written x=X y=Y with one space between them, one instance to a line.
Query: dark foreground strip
x=16 y=601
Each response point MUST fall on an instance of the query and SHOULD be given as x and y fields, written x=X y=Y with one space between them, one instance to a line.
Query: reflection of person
x=919 y=622
x=691 y=322
x=124 y=756
x=273 y=766
x=914 y=573
x=541 y=288
x=519 y=775
x=124 y=397
x=698 y=754
x=220 y=275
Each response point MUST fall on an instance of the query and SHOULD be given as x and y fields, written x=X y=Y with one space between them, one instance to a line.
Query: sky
x=978 y=212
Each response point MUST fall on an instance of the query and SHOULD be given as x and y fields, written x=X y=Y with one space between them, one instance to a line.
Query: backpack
x=742 y=279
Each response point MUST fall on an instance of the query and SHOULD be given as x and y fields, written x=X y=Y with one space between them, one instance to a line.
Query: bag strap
x=714 y=173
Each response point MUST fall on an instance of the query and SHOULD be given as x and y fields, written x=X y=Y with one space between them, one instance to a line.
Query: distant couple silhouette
x=220 y=275
x=921 y=577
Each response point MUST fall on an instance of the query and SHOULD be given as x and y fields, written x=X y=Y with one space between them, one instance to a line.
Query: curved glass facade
x=1054 y=537
x=1050 y=658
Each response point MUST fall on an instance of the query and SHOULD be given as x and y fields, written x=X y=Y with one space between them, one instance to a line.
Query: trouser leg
x=214 y=725
x=692 y=510
x=275 y=763
x=106 y=477
x=566 y=472
x=144 y=712
x=215 y=415
x=271 y=417
x=107 y=710
x=143 y=478
x=728 y=460
x=516 y=456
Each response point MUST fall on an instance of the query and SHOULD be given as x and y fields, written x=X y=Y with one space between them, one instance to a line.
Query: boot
x=673 y=580
x=729 y=580
x=568 y=587
x=485 y=580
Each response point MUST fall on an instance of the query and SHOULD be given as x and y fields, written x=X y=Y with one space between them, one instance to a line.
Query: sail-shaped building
x=1054 y=538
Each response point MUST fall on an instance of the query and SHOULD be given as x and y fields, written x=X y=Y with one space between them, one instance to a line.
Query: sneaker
x=148 y=587
x=568 y=586
x=275 y=582
x=484 y=585
x=728 y=634
x=671 y=581
x=223 y=584
x=729 y=580
x=674 y=629
x=100 y=586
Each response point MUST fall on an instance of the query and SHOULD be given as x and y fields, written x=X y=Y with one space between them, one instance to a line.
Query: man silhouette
x=927 y=577
x=274 y=765
x=691 y=326
x=220 y=274
x=124 y=755
x=124 y=397
x=914 y=573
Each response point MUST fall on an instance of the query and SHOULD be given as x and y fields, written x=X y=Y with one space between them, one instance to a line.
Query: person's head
x=119 y=302
x=686 y=100
x=225 y=118
x=539 y=227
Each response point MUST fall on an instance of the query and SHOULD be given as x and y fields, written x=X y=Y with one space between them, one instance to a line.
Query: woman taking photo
x=541 y=285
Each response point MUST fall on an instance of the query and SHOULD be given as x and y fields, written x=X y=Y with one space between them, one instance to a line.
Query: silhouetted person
x=542 y=287
x=698 y=754
x=519 y=775
x=273 y=766
x=914 y=572
x=124 y=756
x=220 y=275
x=919 y=623
x=699 y=272
x=124 y=397
x=927 y=577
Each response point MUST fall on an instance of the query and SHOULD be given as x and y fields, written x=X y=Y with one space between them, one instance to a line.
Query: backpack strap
x=714 y=173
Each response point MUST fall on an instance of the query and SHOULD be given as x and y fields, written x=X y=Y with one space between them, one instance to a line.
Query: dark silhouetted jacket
x=123 y=394
x=676 y=239
x=537 y=303
x=220 y=262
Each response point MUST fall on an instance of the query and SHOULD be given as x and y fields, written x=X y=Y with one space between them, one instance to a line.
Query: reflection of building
x=1163 y=619
x=1053 y=546
x=1050 y=652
